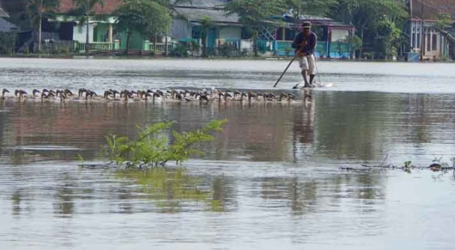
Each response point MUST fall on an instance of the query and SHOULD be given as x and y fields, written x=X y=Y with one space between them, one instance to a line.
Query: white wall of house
x=339 y=35
x=79 y=33
x=230 y=33
x=426 y=40
x=432 y=43
x=416 y=36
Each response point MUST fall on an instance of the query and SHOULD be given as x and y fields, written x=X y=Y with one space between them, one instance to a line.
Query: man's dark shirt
x=309 y=48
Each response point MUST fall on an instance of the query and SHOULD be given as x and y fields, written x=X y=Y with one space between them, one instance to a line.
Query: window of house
x=434 y=42
x=196 y=32
x=428 y=41
x=246 y=34
x=418 y=41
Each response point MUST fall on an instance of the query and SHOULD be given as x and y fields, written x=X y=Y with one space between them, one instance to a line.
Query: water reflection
x=64 y=196
x=175 y=190
x=16 y=199
x=270 y=180
x=337 y=125
x=311 y=195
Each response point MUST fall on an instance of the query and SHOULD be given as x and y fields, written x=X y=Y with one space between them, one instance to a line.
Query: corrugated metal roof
x=108 y=7
x=194 y=14
x=318 y=20
x=201 y=3
x=3 y=13
x=6 y=26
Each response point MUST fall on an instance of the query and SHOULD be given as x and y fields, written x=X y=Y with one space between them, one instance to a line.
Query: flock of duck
x=170 y=95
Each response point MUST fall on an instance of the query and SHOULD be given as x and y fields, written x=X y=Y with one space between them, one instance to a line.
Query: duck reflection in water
x=303 y=123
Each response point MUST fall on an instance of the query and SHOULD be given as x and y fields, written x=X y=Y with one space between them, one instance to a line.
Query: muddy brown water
x=270 y=180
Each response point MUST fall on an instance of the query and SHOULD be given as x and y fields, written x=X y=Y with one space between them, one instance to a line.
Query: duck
x=4 y=91
x=252 y=95
x=20 y=94
x=288 y=97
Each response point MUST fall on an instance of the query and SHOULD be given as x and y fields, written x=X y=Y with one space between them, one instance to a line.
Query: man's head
x=306 y=26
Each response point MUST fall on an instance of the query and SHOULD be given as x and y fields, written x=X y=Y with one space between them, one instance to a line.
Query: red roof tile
x=108 y=7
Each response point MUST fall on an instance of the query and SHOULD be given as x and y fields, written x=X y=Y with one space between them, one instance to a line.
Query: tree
x=86 y=8
x=206 y=23
x=389 y=37
x=144 y=17
x=169 y=5
x=355 y=43
x=36 y=10
x=255 y=13
x=444 y=21
x=366 y=14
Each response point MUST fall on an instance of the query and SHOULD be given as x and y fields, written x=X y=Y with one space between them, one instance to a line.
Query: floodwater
x=270 y=180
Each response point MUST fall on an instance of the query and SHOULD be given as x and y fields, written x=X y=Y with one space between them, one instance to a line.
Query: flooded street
x=270 y=180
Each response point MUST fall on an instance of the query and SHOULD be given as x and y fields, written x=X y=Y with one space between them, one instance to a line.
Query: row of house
x=425 y=40
x=186 y=27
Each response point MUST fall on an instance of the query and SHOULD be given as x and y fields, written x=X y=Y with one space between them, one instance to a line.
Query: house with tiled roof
x=102 y=33
x=185 y=25
x=333 y=36
x=426 y=42
x=109 y=6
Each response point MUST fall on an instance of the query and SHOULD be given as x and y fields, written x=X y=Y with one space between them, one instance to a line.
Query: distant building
x=6 y=26
x=426 y=42
x=102 y=33
x=224 y=29
x=333 y=37
x=185 y=26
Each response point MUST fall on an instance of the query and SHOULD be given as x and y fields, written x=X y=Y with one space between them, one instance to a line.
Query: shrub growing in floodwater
x=153 y=148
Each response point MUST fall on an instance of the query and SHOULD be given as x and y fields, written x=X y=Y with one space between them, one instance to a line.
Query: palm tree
x=253 y=14
x=36 y=10
x=86 y=7
x=206 y=23
x=143 y=17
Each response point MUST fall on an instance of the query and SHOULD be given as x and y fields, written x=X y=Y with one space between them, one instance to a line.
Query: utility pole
x=40 y=27
x=87 y=31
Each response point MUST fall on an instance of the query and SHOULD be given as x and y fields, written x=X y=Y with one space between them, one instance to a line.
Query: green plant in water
x=407 y=166
x=153 y=148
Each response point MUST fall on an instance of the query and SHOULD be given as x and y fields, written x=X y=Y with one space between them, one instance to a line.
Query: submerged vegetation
x=437 y=165
x=143 y=161
x=157 y=144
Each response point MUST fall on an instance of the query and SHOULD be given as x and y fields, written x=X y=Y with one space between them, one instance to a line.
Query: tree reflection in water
x=64 y=204
x=303 y=195
x=174 y=190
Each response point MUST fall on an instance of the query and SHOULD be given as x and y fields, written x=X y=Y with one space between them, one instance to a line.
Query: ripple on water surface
x=270 y=180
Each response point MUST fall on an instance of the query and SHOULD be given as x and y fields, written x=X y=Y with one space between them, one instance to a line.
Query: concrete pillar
x=116 y=44
x=110 y=33
x=146 y=45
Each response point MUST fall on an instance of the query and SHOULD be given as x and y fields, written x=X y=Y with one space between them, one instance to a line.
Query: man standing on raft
x=304 y=45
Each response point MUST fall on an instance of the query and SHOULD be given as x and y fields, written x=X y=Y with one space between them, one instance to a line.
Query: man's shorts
x=307 y=64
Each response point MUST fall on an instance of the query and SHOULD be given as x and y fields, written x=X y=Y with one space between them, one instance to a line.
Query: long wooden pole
x=284 y=72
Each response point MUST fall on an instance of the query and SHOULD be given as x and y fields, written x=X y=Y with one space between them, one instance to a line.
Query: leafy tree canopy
x=145 y=17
